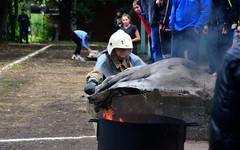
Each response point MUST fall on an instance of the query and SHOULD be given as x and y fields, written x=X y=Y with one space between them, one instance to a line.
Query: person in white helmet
x=116 y=58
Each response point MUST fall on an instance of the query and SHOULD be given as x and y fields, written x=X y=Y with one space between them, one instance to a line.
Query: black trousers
x=25 y=31
x=186 y=39
x=165 y=37
x=76 y=40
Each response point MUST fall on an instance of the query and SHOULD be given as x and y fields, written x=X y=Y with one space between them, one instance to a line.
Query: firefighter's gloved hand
x=90 y=87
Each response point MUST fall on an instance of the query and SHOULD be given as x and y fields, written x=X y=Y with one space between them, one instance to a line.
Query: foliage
x=84 y=7
x=41 y=29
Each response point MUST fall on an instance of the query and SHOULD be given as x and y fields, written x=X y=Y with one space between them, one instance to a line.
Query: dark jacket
x=24 y=24
x=222 y=14
x=150 y=8
x=225 y=110
x=234 y=13
x=164 y=13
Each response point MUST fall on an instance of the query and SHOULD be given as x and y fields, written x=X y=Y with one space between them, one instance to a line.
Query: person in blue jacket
x=187 y=20
x=77 y=36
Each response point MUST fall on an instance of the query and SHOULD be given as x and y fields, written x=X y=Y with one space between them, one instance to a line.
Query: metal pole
x=149 y=52
x=143 y=45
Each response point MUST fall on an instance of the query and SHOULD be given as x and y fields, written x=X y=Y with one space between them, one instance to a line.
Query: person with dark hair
x=24 y=25
x=187 y=19
x=77 y=36
x=225 y=109
x=118 y=20
x=236 y=36
x=138 y=10
x=150 y=10
x=132 y=30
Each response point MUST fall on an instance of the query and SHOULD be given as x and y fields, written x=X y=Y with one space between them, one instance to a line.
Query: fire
x=108 y=114
x=121 y=120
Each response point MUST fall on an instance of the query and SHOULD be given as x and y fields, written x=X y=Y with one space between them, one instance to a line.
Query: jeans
x=156 y=46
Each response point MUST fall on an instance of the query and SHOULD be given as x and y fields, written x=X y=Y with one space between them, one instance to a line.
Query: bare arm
x=137 y=38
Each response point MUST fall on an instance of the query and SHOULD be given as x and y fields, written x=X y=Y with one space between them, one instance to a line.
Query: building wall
x=103 y=22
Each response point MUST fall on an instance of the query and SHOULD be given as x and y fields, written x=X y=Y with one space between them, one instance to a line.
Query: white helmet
x=119 y=39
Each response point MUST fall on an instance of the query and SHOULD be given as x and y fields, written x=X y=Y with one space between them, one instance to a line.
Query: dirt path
x=43 y=97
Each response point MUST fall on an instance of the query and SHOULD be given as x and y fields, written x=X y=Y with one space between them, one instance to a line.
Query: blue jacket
x=83 y=35
x=189 y=13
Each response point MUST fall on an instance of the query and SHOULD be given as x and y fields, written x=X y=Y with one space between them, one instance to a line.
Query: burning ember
x=108 y=114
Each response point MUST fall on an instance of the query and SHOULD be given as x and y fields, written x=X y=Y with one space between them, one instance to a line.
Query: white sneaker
x=74 y=56
x=80 y=58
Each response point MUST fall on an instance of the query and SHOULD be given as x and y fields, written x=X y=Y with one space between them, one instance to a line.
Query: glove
x=90 y=88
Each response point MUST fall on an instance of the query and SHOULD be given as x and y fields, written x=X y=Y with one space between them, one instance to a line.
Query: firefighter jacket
x=225 y=110
x=109 y=65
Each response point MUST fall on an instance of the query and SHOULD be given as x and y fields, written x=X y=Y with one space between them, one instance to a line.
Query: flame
x=121 y=120
x=108 y=114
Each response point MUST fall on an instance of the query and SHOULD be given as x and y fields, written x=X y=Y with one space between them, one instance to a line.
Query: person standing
x=225 y=108
x=131 y=30
x=187 y=20
x=118 y=20
x=236 y=36
x=77 y=36
x=231 y=15
x=151 y=9
x=219 y=35
x=164 y=11
x=24 y=25
x=138 y=10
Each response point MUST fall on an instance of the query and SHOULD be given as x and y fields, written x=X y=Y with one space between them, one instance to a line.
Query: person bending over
x=77 y=36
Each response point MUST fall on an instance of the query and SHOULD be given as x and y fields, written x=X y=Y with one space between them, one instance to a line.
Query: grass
x=17 y=66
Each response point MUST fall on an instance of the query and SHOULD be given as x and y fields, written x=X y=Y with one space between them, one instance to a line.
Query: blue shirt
x=189 y=13
x=83 y=35
x=234 y=35
x=131 y=31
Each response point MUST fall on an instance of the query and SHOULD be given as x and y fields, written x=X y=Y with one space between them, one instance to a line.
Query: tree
x=12 y=15
x=3 y=17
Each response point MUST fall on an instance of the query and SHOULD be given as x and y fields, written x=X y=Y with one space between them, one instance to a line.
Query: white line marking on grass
x=24 y=58
x=46 y=139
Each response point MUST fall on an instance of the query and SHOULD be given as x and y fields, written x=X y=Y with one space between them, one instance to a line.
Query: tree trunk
x=3 y=17
x=73 y=21
x=64 y=11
